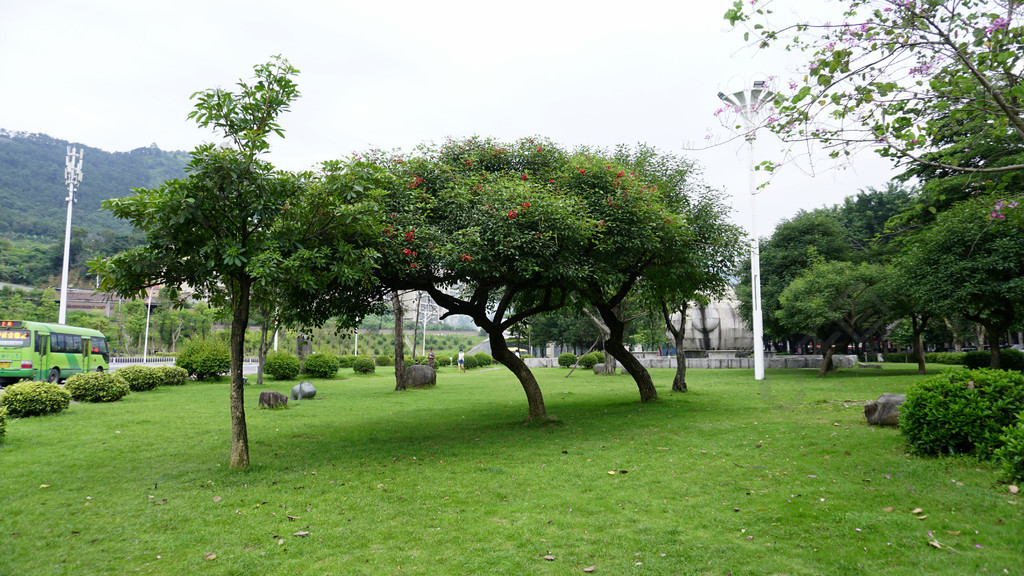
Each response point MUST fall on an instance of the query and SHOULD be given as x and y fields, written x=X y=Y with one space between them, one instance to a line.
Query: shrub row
x=142 y=378
x=953 y=358
x=967 y=412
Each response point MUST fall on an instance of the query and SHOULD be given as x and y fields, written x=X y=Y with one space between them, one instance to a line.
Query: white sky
x=117 y=75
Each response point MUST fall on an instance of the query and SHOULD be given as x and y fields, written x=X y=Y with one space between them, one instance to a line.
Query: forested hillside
x=32 y=188
x=33 y=213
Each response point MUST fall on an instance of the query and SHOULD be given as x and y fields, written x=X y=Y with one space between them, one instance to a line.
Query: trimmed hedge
x=566 y=359
x=97 y=386
x=141 y=378
x=204 y=358
x=954 y=358
x=1010 y=456
x=962 y=411
x=363 y=365
x=385 y=360
x=281 y=365
x=28 y=398
x=977 y=359
x=483 y=359
x=346 y=361
x=322 y=365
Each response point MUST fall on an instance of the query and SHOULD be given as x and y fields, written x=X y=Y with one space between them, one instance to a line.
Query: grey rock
x=420 y=376
x=885 y=411
x=302 y=390
x=271 y=399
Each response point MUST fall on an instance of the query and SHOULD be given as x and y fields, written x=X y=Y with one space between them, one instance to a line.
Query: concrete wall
x=840 y=361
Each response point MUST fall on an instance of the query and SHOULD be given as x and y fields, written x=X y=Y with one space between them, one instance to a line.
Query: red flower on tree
x=582 y=171
x=410 y=235
x=469 y=162
x=406 y=251
x=527 y=204
x=416 y=182
x=620 y=174
x=512 y=214
x=525 y=177
x=467 y=258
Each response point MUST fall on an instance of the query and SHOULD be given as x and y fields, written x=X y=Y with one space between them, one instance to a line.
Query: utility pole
x=72 y=177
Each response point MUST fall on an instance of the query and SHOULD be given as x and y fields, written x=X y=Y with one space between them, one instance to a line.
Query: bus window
x=57 y=342
x=99 y=346
x=73 y=343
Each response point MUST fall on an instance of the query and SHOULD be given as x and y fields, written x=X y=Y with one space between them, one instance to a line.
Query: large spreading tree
x=235 y=221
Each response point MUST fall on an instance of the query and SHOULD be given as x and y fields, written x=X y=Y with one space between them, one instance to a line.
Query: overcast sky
x=117 y=75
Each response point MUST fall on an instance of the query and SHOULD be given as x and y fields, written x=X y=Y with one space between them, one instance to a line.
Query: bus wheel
x=99 y=368
x=54 y=376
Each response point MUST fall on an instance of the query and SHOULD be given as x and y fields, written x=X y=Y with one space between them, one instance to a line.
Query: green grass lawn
x=734 y=477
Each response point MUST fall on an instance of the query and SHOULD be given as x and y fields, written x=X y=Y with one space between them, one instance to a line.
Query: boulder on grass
x=303 y=390
x=885 y=411
x=420 y=376
x=271 y=399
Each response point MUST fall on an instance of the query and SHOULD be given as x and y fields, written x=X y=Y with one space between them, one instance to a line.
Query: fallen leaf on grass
x=935 y=544
x=611 y=472
x=301 y=534
x=216 y=498
x=1013 y=489
x=293 y=517
x=590 y=568
x=164 y=501
x=922 y=517
x=549 y=557
x=44 y=485
x=916 y=511
x=280 y=541
x=210 y=556
x=888 y=509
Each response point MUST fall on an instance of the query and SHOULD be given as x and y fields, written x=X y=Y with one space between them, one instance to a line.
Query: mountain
x=32 y=188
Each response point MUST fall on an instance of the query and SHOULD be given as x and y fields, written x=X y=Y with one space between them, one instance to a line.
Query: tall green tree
x=236 y=220
x=838 y=302
x=969 y=262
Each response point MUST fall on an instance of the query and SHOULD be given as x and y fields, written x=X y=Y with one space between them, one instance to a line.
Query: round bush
x=3 y=423
x=588 y=360
x=961 y=411
x=28 y=398
x=140 y=378
x=321 y=365
x=385 y=360
x=281 y=365
x=172 y=376
x=483 y=359
x=471 y=362
x=346 y=361
x=599 y=355
x=97 y=386
x=204 y=358
x=566 y=359
x=1010 y=456
x=442 y=360
x=363 y=365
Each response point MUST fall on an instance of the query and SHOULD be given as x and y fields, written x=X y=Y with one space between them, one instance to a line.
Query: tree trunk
x=416 y=326
x=396 y=303
x=918 y=345
x=678 y=335
x=829 y=350
x=534 y=397
x=239 y=324
x=617 y=348
x=265 y=344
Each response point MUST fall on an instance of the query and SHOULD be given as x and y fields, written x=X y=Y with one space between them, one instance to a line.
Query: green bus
x=52 y=352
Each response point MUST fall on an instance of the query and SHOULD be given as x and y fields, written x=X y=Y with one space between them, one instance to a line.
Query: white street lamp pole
x=145 y=345
x=749 y=104
x=72 y=177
